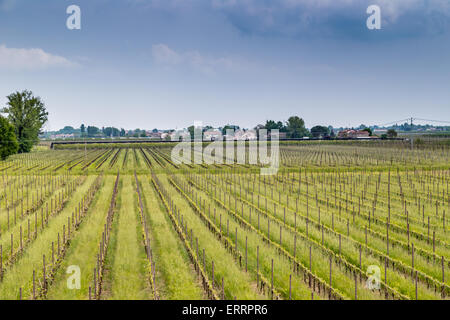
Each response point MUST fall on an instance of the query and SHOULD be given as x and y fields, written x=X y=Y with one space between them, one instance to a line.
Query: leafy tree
x=391 y=133
x=83 y=130
x=368 y=130
x=320 y=131
x=191 y=131
x=229 y=127
x=67 y=130
x=92 y=131
x=111 y=131
x=28 y=115
x=143 y=134
x=331 y=131
x=9 y=144
x=122 y=132
x=296 y=127
x=272 y=125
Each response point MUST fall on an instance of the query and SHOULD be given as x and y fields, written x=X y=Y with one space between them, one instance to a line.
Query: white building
x=212 y=135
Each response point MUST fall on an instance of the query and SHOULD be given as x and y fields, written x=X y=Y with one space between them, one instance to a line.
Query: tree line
x=295 y=128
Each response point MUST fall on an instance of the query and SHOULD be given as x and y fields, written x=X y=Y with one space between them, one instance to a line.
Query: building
x=154 y=135
x=353 y=134
x=180 y=135
x=62 y=136
x=244 y=135
x=212 y=135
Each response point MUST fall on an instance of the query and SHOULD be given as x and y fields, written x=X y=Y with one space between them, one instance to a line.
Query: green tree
x=320 y=131
x=229 y=127
x=369 y=131
x=9 y=144
x=83 y=130
x=28 y=115
x=272 y=125
x=67 y=130
x=111 y=132
x=191 y=131
x=296 y=128
x=92 y=131
x=391 y=133
x=331 y=131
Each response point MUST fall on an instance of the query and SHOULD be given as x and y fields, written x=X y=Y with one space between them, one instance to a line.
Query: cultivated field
x=131 y=224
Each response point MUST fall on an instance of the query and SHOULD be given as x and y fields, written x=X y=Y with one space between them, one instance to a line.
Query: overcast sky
x=167 y=63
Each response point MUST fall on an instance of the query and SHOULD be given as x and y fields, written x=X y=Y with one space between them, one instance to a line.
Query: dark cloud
x=337 y=18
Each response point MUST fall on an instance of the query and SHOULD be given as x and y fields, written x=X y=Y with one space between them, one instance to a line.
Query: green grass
x=176 y=279
x=83 y=248
x=127 y=277
x=21 y=273
x=237 y=282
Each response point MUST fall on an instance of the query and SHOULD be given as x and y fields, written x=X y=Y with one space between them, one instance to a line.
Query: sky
x=167 y=63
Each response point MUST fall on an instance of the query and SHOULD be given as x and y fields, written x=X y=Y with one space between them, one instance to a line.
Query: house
x=62 y=136
x=244 y=135
x=212 y=135
x=154 y=135
x=353 y=134
x=179 y=135
x=281 y=135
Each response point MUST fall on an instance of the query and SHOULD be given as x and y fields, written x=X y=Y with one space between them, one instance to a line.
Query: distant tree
x=368 y=130
x=331 y=131
x=362 y=127
x=143 y=134
x=111 y=132
x=391 y=133
x=191 y=131
x=28 y=115
x=296 y=128
x=320 y=131
x=67 y=130
x=92 y=131
x=107 y=131
x=229 y=127
x=9 y=144
x=83 y=130
x=155 y=130
x=122 y=132
x=384 y=136
x=273 y=125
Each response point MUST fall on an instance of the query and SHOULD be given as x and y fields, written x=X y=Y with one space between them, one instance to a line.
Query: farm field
x=350 y=220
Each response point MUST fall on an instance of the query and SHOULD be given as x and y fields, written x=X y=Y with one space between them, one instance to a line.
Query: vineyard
x=340 y=221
